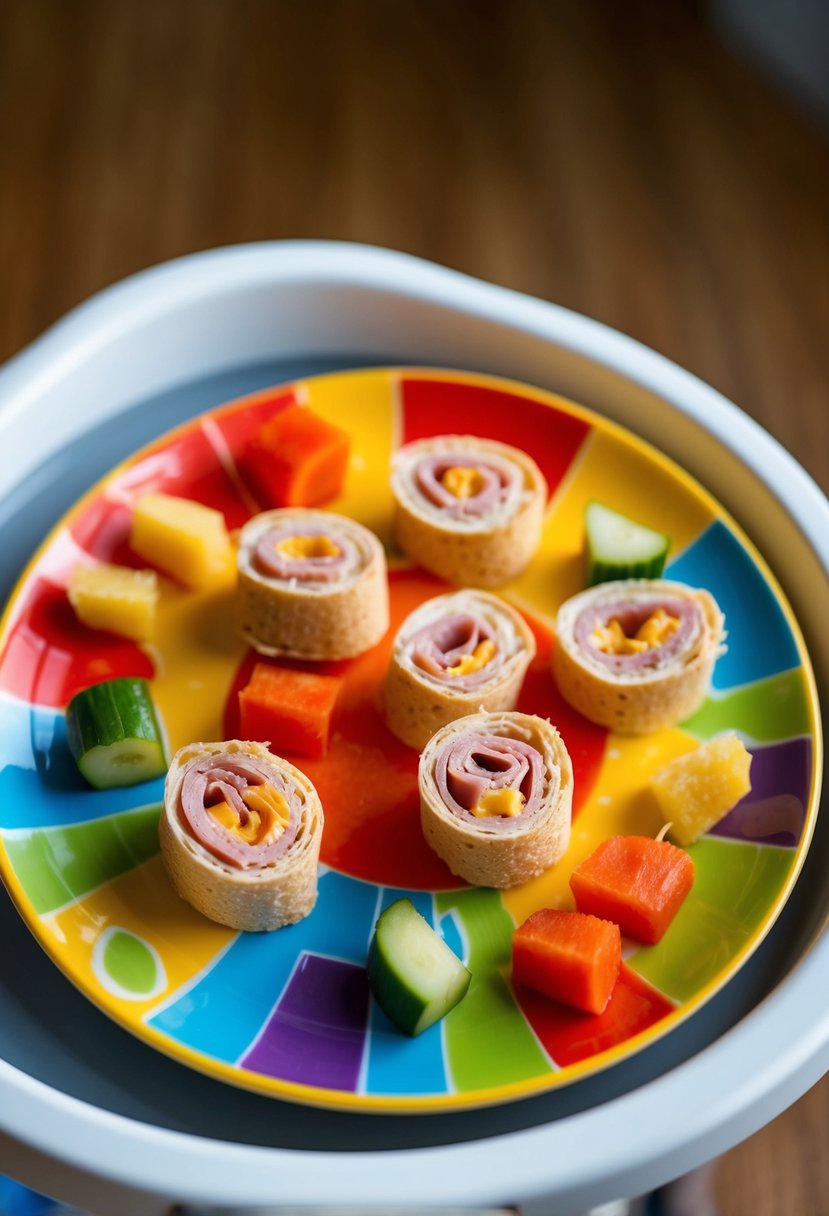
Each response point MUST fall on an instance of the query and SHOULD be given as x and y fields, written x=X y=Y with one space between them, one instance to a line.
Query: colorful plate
x=289 y=1013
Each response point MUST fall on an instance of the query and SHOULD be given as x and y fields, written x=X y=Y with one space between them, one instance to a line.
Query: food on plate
x=415 y=978
x=114 y=733
x=240 y=833
x=496 y=793
x=617 y=547
x=297 y=459
x=468 y=509
x=115 y=598
x=184 y=539
x=292 y=710
x=637 y=881
x=312 y=585
x=571 y=957
x=697 y=789
x=637 y=655
x=453 y=655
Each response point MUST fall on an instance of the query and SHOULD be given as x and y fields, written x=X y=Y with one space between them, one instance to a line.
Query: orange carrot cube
x=291 y=710
x=636 y=881
x=569 y=956
x=297 y=459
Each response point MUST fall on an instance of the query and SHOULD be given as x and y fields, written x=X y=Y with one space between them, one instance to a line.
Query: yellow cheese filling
x=651 y=634
x=505 y=802
x=462 y=481
x=268 y=815
x=467 y=663
x=301 y=548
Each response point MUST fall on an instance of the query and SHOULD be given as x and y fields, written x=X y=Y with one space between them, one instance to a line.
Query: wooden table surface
x=613 y=157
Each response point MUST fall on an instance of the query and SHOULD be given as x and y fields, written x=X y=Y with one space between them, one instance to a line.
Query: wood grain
x=614 y=158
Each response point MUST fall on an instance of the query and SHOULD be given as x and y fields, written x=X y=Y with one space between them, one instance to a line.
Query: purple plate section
x=775 y=810
x=317 y=1034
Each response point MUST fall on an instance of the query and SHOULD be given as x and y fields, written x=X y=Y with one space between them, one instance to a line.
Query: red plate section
x=552 y=437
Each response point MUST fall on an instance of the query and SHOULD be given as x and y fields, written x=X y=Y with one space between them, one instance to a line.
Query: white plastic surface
x=256 y=303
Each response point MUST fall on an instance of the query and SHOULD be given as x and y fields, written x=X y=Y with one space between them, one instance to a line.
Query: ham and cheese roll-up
x=468 y=509
x=312 y=585
x=637 y=655
x=496 y=795
x=240 y=834
x=453 y=655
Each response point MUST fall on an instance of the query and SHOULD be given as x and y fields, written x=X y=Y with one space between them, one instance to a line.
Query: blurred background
x=662 y=167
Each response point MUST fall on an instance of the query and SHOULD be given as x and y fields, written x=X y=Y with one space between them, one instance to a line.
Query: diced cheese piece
x=184 y=539
x=505 y=802
x=696 y=790
x=463 y=481
x=115 y=598
x=479 y=658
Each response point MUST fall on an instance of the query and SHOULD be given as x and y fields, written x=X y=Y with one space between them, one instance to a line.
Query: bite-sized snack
x=468 y=509
x=637 y=655
x=297 y=459
x=182 y=538
x=637 y=881
x=289 y=709
x=115 y=598
x=496 y=795
x=618 y=547
x=697 y=789
x=240 y=834
x=453 y=655
x=416 y=979
x=114 y=734
x=571 y=957
x=312 y=585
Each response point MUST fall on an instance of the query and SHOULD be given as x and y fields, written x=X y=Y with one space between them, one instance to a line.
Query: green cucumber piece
x=619 y=547
x=114 y=733
x=415 y=977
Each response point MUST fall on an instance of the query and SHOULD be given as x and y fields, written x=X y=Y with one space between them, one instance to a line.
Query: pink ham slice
x=443 y=643
x=472 y=764
x=270 y=562
x=631 y=615
x=221 y=778
x=429 y=471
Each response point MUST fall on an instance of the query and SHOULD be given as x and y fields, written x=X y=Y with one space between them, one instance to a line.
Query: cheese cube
x=696 y=790
x=115 y=598
x=185 y=539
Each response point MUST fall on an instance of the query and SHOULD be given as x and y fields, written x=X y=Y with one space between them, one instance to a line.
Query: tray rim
x=476 y=1170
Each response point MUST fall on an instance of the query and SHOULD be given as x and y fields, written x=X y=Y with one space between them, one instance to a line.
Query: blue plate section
x=40 y=786
x=398 y=1064
x=760 y=642
x=224 y=1011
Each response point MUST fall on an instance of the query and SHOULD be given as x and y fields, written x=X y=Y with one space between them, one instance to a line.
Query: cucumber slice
x=618 y=547
x=114 y=733
x=413 y=974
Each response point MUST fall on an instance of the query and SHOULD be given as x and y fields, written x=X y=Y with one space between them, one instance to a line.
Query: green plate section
x=488 y=1042
x=768 y=711
x=129 y=962
x=58 y=865
x=735 y=884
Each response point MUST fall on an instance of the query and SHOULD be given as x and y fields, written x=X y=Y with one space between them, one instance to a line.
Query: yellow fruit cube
x=696 y=790
x=115 y=598
x=184 y=539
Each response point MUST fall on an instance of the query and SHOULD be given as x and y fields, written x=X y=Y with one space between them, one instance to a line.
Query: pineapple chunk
x=696 y=790
x=115 y=598
x=184 y=539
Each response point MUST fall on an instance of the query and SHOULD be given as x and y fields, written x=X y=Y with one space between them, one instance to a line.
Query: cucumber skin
x=610 y=572
x=392 y=992
x=114 y=711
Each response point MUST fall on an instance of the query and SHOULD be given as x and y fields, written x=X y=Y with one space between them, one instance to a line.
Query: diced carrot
x=569 y=956
x=636 y=881
x=297 y=459
x=289 y=709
